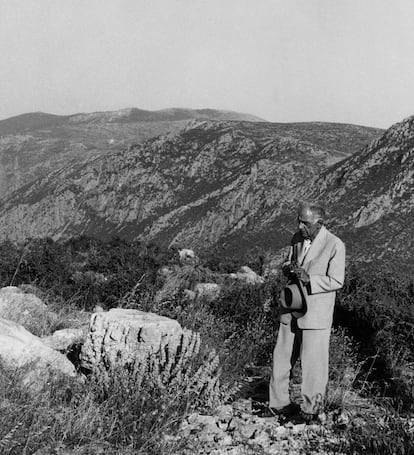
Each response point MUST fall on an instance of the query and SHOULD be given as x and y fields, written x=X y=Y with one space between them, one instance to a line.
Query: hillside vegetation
x=372 y=359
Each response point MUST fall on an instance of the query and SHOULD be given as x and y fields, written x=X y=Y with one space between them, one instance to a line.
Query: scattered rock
x=189 y=294
x=243 y=405
x=342 y=420
x=65 y=339
x=262 y=439
x=247 y=275
x=207 y=291
x=224 y=413
x=186 y=255
x=232 y=430
x=298 y=428
x=248 y=430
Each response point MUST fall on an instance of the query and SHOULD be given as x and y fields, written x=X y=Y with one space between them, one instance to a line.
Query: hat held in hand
x=293 y=297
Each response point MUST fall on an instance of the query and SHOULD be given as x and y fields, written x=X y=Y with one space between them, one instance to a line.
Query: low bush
x=84 y=271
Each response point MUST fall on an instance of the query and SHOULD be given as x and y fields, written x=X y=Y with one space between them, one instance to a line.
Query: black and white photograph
x=206 y=227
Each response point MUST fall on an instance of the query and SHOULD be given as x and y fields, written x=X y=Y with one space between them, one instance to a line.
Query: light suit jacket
x=325 y=264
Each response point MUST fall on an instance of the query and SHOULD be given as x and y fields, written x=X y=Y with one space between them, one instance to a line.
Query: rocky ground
x=235 y=429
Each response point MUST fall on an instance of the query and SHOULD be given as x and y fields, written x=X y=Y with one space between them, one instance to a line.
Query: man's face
x=307 y=223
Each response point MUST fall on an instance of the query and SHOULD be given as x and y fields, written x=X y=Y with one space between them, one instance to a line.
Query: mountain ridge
x=211 y=179
x=38 y=120
x=34 y=144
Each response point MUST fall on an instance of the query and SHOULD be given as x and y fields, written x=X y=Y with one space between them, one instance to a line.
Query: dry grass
x=124 y=409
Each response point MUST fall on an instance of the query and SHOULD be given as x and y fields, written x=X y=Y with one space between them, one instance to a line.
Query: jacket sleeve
x=335 y=275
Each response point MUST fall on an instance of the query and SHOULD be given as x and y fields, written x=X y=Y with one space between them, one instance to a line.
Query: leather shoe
x=287 y=411
x=308 y=418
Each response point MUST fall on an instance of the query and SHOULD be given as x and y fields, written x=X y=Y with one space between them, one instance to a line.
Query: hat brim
x=293 y=297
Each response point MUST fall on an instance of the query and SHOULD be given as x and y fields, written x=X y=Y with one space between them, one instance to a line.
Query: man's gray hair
x=316 y=208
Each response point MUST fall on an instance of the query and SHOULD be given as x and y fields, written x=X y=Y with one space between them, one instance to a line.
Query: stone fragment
x=189 y=294
x=192 y=418
x=243 y=404
x=298 y=428
x=120 y=336
x=224 y=413
x=227 y=440
x=262 y=439
x=223 y=425
x=322 y=417
x=280 y=431
x=207 y=428
x=206 y=420
x=207 y=291
x=63 y=340
x=342 y=421
x=247 y=275
x=245 y=416
x=186 y=255
x=248 y=430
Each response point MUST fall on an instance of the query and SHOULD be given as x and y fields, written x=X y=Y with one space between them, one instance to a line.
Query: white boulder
x=21 y=350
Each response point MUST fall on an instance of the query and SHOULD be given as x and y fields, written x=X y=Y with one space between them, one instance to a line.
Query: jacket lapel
x=316 y=246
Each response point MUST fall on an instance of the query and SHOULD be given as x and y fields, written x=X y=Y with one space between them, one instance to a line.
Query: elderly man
x=317 y=259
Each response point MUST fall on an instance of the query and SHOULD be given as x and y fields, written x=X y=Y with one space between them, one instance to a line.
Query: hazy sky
x=346 y=61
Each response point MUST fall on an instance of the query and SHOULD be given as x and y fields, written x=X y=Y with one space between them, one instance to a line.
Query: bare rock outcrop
x=120 y=336
x=21 y=350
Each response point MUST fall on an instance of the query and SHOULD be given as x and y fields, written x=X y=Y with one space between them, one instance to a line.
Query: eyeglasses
x=306 y=223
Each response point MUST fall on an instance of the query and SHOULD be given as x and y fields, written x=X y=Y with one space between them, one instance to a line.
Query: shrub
x=85 y=271
x=378 y=311
x=122 y=409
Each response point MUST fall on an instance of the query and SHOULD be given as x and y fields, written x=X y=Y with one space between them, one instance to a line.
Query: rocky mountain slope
x=211 y=181
x=32 y=145
x=371 y=196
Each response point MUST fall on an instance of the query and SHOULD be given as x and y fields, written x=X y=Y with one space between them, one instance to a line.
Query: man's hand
x=287 y=269
x=301 y=275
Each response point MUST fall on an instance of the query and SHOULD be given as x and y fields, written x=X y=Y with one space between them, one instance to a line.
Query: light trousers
x=312 y=346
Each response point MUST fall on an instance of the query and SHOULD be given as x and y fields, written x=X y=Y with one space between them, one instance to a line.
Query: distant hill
x=30 y=122
x=211 y=182
x=39 y=120
x=34 y=144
